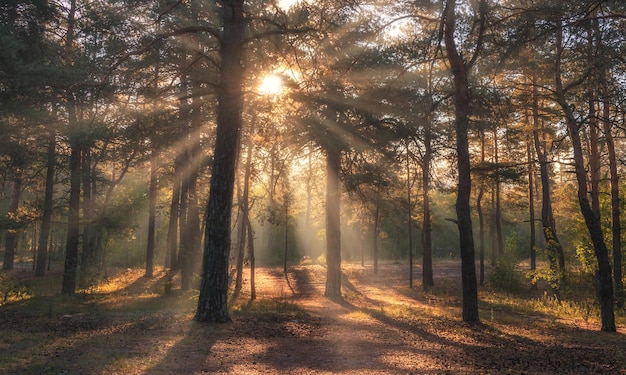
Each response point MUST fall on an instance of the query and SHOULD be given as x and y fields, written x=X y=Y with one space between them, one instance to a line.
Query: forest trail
x=384 y=327
x=349 y=338
x=381 y=326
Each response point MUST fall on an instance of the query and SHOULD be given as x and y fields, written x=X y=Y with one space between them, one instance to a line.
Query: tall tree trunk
x=604 y=281
x=46 y=221
x=531 y=207
x=193 y=233
x=183 y=215
x=171 y=255
x=497 y=213
x=70 y=270
x=616 y=230
x=427 y=243
x=241 y=240
x=10 y=239
x=333 y=232
x=554 y=250
x=252 y=259
x=409 y=213
x=244 y=208
x=212 y=302
x=153 y=189
x=463 y=211
x=87 y=259
x=376 y=231
x=309 y=204
x=73 y=231
x=286 y=212
x=481 y=216
x=190 y=237
x=190 y=241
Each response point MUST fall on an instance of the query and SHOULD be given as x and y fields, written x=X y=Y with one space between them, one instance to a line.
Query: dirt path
x=381 y=326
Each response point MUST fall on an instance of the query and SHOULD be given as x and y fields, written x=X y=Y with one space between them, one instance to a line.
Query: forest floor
x=129 y=325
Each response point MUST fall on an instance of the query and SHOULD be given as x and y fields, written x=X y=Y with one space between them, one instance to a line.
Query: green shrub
x=505 y=273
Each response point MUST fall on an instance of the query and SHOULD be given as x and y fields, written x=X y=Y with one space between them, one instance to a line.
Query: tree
x=46 y=225
x=603 y=278
x=26 y=73
x=212 y=302
x=460 y=70
x=333 y=231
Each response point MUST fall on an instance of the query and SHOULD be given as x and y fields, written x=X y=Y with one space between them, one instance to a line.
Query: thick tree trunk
x=464 y=220
x=46 y=221
x=10 y=239
x=333 y=232
x=603 y=278
x=212 y=302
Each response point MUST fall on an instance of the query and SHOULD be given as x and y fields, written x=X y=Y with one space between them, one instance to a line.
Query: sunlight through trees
x=203 y=138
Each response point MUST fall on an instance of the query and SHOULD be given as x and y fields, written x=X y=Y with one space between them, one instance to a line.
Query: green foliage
x=586 y=256
x=12 y=289
x=505 y=274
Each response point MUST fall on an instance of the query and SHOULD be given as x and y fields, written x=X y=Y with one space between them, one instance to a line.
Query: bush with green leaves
x=505 y=273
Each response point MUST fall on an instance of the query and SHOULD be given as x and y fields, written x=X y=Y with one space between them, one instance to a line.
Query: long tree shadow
x=486 y=347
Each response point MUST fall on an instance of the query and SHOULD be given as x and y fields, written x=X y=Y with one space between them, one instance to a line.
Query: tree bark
x=46 y=220
x=463 y=211
x=333 y=232
x=212 y=302
x=603 y=278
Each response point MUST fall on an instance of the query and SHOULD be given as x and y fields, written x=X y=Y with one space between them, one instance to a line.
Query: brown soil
x=380 y=327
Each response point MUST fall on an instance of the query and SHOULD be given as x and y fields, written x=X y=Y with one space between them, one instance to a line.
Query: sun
x=287 y=4
x=272 y=84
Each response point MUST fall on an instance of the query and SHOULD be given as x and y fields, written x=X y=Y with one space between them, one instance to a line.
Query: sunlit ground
x=128 y=324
